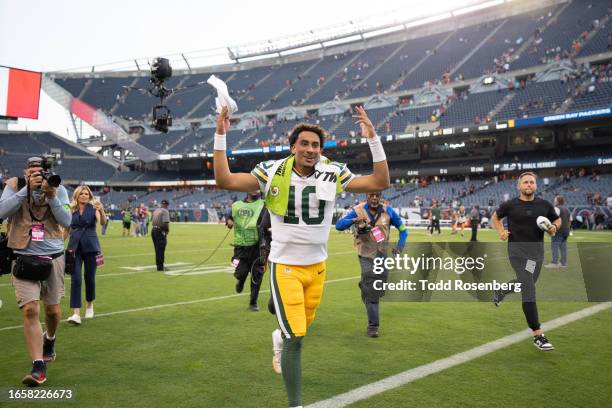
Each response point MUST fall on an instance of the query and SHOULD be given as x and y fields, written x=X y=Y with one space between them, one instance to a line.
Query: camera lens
x=54 y=180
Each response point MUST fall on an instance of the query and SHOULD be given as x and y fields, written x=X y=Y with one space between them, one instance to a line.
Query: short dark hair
x=306 y=127
x=560 y=200
x=527 y=173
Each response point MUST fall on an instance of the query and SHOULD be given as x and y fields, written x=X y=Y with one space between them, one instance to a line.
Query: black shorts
x=127 y=224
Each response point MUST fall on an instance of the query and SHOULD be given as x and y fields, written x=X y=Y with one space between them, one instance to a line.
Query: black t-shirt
x=524 y=232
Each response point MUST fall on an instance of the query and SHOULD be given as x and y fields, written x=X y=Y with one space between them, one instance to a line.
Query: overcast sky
x=56 y=35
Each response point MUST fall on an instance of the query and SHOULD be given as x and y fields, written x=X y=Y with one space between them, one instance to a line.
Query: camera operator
x=373 y=221
x=38 y=214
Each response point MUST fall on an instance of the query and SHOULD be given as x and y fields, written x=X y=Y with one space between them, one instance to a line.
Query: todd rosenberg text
x=446 y=285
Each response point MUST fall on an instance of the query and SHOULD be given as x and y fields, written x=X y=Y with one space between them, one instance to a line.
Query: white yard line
x=188 y=302
x=419 y=372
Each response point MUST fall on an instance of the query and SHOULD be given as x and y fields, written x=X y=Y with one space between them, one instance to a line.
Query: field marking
x=408 y=376
x=223 y=264
x=144 y=267
x=188 y=302
x=201 y=270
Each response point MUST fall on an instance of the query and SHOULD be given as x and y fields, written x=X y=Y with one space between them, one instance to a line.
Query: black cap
x=165 y=202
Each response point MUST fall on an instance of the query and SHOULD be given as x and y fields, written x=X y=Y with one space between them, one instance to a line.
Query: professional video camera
x=46 y=162
x=160 y=72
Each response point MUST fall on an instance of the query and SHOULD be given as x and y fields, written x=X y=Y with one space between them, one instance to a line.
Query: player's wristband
x=376 y=147
x=220 y=142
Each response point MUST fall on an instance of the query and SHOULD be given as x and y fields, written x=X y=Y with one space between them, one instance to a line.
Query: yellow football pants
x=296 y=291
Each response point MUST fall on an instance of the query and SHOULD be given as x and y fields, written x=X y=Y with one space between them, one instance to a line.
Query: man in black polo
x=526 y=247
x=161 y=228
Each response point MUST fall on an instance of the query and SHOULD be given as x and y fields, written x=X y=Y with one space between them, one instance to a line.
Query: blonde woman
x=86 y=213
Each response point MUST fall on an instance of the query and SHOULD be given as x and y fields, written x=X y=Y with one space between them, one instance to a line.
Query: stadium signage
x=525 y=166
x=511 y=123
x=564 y=116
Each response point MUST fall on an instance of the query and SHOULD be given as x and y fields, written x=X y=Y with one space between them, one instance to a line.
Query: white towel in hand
x=223 y=98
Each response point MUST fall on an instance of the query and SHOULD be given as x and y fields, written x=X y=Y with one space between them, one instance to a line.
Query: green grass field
x=187 y=340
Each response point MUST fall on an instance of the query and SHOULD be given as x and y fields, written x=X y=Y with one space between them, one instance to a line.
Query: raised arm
x=379 y=179
x=223 y=176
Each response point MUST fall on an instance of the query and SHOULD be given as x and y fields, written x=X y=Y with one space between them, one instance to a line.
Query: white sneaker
x=74 y=319
x=89 y=313
x=277 y=348
x=551 y=265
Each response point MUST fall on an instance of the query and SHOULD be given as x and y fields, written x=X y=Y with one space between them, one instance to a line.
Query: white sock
x=277 y=340
x=49 y=338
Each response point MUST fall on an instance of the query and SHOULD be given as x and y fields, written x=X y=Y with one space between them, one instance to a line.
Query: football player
x=300 y=192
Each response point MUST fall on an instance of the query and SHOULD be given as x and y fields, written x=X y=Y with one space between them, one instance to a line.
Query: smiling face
x=307 y=150
x=84 y=196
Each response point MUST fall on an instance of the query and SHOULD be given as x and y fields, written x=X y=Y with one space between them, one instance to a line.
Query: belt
x=52 y=256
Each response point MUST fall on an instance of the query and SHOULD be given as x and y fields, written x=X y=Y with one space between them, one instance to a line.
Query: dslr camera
x=46 y=162
x=363 y=227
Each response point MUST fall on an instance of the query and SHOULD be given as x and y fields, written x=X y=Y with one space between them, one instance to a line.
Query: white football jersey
x=300 y=236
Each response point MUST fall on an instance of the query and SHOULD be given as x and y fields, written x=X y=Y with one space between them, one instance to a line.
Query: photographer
x=38 y=214
x=373 y=221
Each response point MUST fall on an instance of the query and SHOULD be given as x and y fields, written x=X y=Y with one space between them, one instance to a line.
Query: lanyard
x=374 y=219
